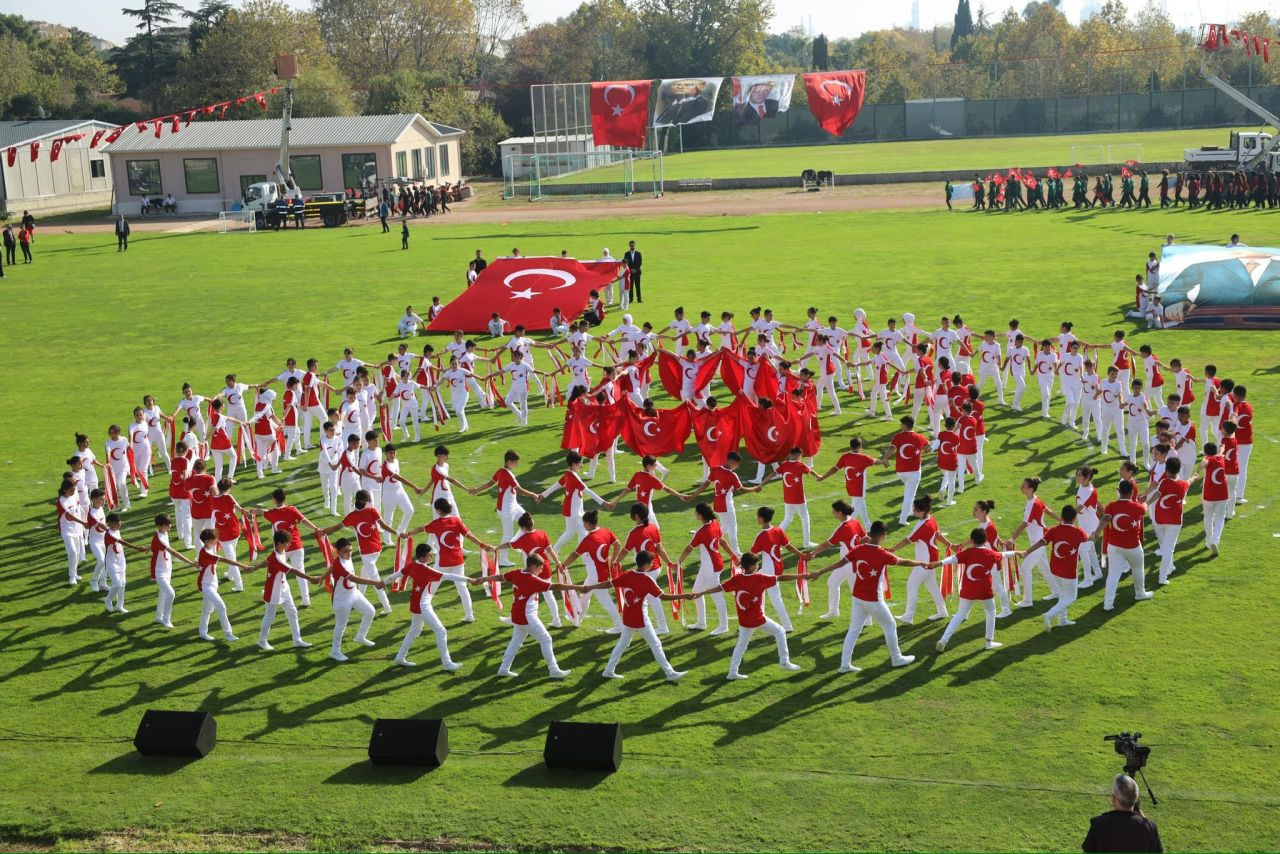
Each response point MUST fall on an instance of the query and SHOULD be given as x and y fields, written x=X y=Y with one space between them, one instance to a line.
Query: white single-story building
x=208 y=165
x=557 y=155
x=79 y=179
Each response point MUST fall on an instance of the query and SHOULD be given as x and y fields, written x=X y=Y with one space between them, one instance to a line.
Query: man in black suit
x=757 y=106
x=1124 y=828
x=480 y=263
x=683 y=102
x=632 y=258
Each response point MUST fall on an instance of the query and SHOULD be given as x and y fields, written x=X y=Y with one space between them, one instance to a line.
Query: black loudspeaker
x=400 y=741
x=585 y=747
x=191 y=734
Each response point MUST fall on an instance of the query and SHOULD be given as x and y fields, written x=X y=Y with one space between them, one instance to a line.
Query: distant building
x=57 y=31
x=81 y=177
x=557 y=155
x=208 y=165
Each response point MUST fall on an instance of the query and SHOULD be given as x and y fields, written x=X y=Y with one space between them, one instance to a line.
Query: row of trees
x=469 y=63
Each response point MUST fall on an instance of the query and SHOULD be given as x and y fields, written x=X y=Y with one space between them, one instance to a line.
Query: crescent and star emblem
x=617 y=109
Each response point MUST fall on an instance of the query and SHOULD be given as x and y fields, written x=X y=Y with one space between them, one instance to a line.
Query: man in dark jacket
x=122 y=234
x=1124 y=828
x=633 y=259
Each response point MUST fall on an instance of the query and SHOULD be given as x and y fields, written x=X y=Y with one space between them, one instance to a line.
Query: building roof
x=545 y=140
x=19 y=133
x=316 y=132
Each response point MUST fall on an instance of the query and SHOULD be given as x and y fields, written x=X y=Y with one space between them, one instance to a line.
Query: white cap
x=266 y=396
x=860 y=314
x=626 y=318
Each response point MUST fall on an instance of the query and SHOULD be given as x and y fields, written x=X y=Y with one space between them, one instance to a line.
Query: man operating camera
x=1124 y=828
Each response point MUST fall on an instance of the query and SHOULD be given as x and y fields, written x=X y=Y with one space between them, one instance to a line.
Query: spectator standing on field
x=384 y=211
x=122 y=234
x=633 y=260
x=404 y=232
x=10 y=245
x=25 y=236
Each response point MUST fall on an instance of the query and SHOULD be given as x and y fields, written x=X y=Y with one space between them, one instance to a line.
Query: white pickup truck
x=1244 y=146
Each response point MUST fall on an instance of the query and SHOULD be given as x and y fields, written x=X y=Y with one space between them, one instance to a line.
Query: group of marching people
x=1106 y=389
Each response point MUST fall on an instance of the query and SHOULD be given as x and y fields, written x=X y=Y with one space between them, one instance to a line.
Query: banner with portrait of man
x=685 y=100
x=1220 y=286
x=760 y=97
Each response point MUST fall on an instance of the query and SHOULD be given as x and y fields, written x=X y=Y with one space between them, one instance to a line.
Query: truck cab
x=1243 y=147
x=261 y=199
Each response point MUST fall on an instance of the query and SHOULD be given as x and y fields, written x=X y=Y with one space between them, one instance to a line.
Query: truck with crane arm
x=1249 y=151
x=263 y=197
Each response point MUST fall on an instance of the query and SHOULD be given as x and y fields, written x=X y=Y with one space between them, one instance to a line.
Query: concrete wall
x=47 y=187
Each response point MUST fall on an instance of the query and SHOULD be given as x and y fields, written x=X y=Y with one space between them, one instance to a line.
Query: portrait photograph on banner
x=685 y=100
x=760 y=97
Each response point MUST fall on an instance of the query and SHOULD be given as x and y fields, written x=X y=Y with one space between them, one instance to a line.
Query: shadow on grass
x=365 y=773
x=542 y=777
x=134 y=763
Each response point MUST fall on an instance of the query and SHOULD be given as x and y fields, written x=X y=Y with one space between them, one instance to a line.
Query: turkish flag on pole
x=620 y=112
x=523 y=291
x=835 y=97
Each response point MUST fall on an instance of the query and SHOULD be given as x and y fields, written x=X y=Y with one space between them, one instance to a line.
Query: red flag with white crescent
x=835 y=97
x=767 y=432
x=659 y=435
x=620 y=112
x=524 y=291
x=717 y=431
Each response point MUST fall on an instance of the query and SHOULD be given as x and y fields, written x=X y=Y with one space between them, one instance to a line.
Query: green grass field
x=962 y=155
x=966 y=750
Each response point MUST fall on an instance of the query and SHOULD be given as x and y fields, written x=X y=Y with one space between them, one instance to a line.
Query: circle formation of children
x=1170 y=429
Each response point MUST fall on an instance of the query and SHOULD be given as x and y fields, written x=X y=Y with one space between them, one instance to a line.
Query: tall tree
x=203 y=19
x=496 y=23
x=151 y=15
x=963 y=23
x=704 y=36
x=21 y=29
x=373 y=37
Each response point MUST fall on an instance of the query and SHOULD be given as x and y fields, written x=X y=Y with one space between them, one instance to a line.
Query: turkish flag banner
x=835 y=97
x=683 y=379
x=522 y=291
x=115 y=134
x=11 y=154
x=55 y=150
x=97 y=136
x=35 y=150
x=767 y=431
x=620 y=112
x=716 y=431
x=662 y=435
x=599 y=425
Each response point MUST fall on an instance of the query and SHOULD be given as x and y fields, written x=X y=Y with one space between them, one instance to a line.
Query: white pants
x=706 y=579
x=1070 y=402
x=610 y=462
x=342 y=613
x=796 y=511
x=603 y=595
x=329 y=486
x=233 y=572
x=1242 y=457
x=142 y=460
x=159 y=447
x=929 y=578
x=839 y=576
x=394 y=497
x=1091 y=568
x=74 y=544
x=880 y=394
x=348 y=485
x=1167 y=537
x=859 y=614
x=729 y=527
x=296 y=559
x=1215 y=513
x=991 y=372
x=99 y=552
x=573 y=532
x=374 y=488
x=1111 y=418
x=284 y=599
x=1067 y=592
x=624 y=641
x=182 y=521
x=1092 y=414
x=1046 y=393
x=460 y=408
x=221 y=458
x=464 y=592
x=774 y=593
x=429 y=619
x=115 y=589
x=120 y=473
x=292 y=442
x=1118 y=560
x=1038 y=559
x=539 y=632
x=518 y=403
x=481 y=397
x=1209 y=426
x=164 y=597
x=268 y=454
x=311 y=415
x=407 y=412
x=826 y=383
x=910 y=481
x=1139 y=435
x=1019 y=389
x=962 y=613
x=211 y=603
x=369 y=569
x=651 y=603
x=744 y=637
x=948 y=486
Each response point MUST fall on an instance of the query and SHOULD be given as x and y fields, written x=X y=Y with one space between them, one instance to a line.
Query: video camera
x=1135 y=754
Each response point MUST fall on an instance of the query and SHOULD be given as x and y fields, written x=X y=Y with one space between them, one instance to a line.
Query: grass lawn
x=962 y=155
x=961 y=751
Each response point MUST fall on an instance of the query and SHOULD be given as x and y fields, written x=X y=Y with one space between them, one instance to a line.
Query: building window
x=201 y=174
x=144 y=177
x=402 y=165
x=444 y=161
x=247 y=180
x=306 y=171
x=97 y=168
x=359 y=170
x=417 y=163
x=430 y=154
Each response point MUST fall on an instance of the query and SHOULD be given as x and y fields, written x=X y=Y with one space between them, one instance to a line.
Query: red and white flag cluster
x=175 y=122
x=1218 y=37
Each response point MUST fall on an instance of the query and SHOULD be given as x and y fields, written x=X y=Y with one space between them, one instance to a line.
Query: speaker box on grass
x=583 y=747
x=404 y=741
x=182 y=734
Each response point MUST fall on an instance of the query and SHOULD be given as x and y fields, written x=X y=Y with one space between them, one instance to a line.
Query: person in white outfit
x=71 y=527
x=162 y=555
x=635 y=588
x=276 y=592
x=346 y=595
x=749 y=589
x=423 y=581
x=527 y=586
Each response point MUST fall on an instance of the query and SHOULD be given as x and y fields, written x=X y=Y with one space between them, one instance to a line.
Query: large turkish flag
x=620 y=112
x=717 y=431
x=524 y=291
x=767 y=431
x=835 y=97
x=660 y=435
